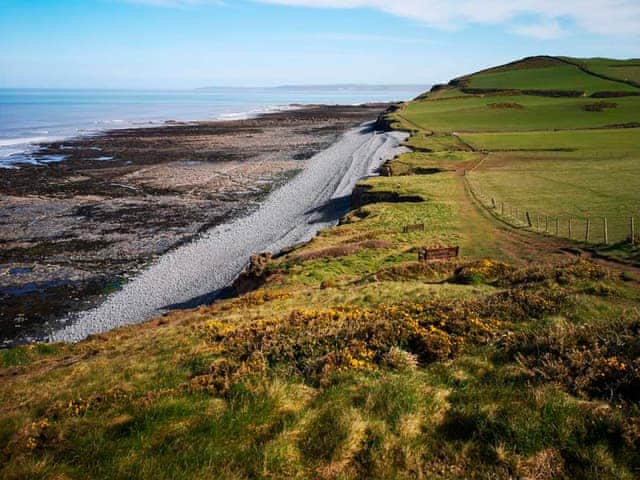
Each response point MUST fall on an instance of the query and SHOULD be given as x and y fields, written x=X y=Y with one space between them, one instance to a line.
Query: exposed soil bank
x=73 y=231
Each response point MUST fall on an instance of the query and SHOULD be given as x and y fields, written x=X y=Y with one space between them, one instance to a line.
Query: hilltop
x=565 y=75
x=347 y=357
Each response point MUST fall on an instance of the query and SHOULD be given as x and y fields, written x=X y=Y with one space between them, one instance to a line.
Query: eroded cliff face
x=254 y=275
x=364 y=195
x=383 y=122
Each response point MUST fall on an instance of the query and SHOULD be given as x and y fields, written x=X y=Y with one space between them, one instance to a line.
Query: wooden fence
x=597 y=230
x=416 y=227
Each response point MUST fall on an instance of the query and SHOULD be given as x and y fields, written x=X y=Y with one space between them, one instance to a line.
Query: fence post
x=569 y=228
x=528 y=219
x=493 y=202
x=502 y=208
x=606 y=232
x=546 y=223
x=633 y=232
x=586 y=235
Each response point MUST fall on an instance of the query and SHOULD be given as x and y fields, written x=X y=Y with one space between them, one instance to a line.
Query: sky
x=182 y=44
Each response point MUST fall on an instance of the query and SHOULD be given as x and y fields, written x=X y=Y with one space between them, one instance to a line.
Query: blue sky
x=193 y=43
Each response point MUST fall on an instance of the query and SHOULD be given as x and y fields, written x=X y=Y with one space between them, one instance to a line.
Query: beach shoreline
x=77 y=230
x=33 y=150
x=197 y=272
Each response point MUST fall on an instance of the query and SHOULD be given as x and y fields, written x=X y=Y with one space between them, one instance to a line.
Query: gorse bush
x=482 y=271
x=315 y=343
x=599 y=360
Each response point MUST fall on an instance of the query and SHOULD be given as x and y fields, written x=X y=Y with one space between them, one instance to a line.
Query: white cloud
x=606 y=17
x=547 y=30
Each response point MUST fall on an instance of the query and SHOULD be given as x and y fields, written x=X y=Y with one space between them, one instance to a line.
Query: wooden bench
x=434 y=254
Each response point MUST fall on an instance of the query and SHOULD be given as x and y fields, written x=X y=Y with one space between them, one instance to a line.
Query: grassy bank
x=351 y=359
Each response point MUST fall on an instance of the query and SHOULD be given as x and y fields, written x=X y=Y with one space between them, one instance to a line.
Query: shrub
x=599 y=360
x=563 y=274
x=599 y=106
x=481 y=271
x=515 y=105
x=400 y=359
x=316 y=343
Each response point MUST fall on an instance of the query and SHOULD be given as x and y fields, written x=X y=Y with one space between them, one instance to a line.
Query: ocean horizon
x=29 y=117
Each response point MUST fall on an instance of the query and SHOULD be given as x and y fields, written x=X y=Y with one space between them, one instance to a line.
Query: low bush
x=597 y=360
x=599 y=106
x=483 y=271
x=506 y=105
x=315 y=343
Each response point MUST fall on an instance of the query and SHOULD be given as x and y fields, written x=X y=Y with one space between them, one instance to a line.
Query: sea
x=30 y=117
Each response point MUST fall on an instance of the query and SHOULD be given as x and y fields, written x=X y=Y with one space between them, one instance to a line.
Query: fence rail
x=595 y=230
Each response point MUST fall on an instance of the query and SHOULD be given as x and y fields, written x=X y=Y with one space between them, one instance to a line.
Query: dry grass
x=340 y=251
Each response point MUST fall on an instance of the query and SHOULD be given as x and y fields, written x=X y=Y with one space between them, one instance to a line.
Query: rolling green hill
x=350 y=359
x=627 y=70
x=585 y=77
x=552 y=156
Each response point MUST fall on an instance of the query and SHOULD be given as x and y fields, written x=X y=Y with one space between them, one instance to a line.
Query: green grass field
x=554 y=157
x=620 y=69
x=583 y=174
x=352 y=360
x=516 y=113
x=556 y=77
x=606 y=143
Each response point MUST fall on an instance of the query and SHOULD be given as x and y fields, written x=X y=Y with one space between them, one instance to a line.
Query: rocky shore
x=75 y=230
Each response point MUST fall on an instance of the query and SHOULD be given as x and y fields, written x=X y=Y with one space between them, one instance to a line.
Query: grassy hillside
x=350 y=359
x=518 y=113
x=587 y=76
x=627 y=70
x=553 y=156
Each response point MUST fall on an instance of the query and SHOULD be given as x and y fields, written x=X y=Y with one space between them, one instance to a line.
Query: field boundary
x=599 y=75
x=586 y=230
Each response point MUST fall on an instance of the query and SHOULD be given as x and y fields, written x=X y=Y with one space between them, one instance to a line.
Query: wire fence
x=595 y=230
